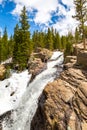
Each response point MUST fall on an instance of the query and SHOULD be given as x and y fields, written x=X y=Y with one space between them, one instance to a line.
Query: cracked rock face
x=63 y=103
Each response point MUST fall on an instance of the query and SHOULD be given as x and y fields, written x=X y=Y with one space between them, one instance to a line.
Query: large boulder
x=82 y=58
x=37 y=61
x=63 y=103
x=43 y=54
x=2 y=72
x=69 y=61
x=36 y=66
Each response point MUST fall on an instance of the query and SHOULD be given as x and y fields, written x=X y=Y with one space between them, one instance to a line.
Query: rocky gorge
x=21 y=96
x=63 y=103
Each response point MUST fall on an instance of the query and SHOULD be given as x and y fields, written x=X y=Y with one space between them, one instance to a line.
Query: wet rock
x=63 y=103
x=5 y=116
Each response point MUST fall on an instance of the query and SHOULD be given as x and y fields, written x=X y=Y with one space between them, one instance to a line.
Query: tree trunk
x=84 y=43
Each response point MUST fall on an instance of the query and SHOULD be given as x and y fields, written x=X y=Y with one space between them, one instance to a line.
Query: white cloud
x=68 y=2
x=67 y=23
x=43 y=7
x=1 y=1
x=44 y=12
x=17 y=10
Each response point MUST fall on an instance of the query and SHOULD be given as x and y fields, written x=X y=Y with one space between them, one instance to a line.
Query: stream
x=22 y=115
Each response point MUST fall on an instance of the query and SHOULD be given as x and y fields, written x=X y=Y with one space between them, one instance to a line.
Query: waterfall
x=22 y=115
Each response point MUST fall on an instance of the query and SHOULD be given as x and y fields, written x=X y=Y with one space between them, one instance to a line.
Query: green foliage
x=49 y=38
x=63 y=42
x=57 y=41
x=69 y=49
x=8 y=72
x=52 y=40
x=69 y=44
x=10 y=46
x=86 y=31
x=76 y=35
x=81 y=16
x=22 y=42
x=4 y=46
x=38 y=39
x=20 y=46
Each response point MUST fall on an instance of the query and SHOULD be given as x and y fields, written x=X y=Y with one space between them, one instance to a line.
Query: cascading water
x=21 y=117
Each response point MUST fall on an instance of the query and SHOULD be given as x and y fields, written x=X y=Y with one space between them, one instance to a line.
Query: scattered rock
x=12 y=93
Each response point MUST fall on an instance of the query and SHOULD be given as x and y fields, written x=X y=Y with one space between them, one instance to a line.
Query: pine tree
x=5 y=45
x=57 y=41
x=53 y=37
x=35 y=39
x=25 y=33
x=76 y=36
x=86 y=32
x=0 y=48
x=69 y=44
x=41 y=38
x=10 y=46
x=22 y=46
x=81 y=16
x=49 y=44
x=16 y=45
x=63 y=42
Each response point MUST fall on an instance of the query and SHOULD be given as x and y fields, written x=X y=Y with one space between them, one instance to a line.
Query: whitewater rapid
x=24 y=111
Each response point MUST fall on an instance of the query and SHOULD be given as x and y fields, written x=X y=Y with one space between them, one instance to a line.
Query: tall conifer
x=81 y=16
x=22 y=47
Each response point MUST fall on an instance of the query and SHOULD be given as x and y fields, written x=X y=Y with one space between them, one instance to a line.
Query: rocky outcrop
x=37 y=61
x=63 y=103
x=82 y=58
x=36 y=66
x=5 y=116
x=2 y=72
x=70 y=61
x=43 y=54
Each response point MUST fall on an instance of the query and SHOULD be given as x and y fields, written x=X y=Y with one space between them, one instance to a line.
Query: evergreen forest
x=23 y=43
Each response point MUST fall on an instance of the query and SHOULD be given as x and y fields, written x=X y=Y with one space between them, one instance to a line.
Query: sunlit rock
x=2 y=72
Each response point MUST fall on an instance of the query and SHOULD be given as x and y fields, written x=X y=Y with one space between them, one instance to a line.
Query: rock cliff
x=63 y=103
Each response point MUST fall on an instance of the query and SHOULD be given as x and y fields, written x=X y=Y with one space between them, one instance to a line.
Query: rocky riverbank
x=63 y=103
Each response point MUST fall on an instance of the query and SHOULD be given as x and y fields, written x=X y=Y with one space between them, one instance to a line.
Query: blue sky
x=42 y=14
